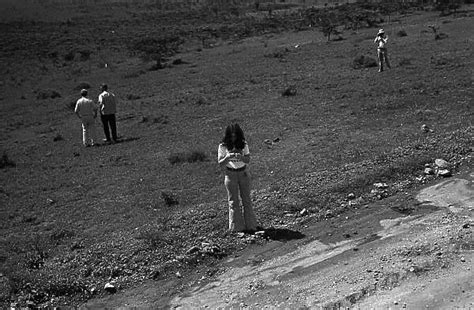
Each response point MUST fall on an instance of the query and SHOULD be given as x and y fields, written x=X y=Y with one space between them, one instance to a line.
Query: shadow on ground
x=283 y=234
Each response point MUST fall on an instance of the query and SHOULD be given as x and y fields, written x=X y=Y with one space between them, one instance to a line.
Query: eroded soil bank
x=383 y=259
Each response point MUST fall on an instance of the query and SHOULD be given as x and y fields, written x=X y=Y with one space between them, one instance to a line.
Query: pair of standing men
x=86 y=110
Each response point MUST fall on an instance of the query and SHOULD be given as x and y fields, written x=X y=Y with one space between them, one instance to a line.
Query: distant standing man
x=382 y=53
x=86 y=110
x=108 y=108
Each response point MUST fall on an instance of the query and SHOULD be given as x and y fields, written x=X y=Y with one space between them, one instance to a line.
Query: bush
x=70 y=102
x=169 y=198
x=6 y=162
x=58 y=137
x=202 y=101
x=82 y=85
x=47 y=94
x=364 y=62
x=289 y=92
x=402 y=33
x=187 y=157
x=405 y=62
x=132 y=97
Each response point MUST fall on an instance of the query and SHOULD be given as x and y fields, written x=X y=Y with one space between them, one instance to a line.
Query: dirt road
x=414 y=261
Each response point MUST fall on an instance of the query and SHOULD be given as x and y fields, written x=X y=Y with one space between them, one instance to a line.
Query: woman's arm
x=223 y=156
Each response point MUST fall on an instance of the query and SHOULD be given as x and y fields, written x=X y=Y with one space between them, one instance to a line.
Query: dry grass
x=343 y=130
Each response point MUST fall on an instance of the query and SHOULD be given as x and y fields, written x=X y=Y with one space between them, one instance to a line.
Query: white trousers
x=88 y=131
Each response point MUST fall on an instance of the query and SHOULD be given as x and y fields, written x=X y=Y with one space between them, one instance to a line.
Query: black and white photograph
x=236 y=154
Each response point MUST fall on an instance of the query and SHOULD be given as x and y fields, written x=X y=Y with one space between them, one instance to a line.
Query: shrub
x=133 y=74
x=70 y=102
x=405 y=62
x=82 y=85
x=187 y=157
x=363 y=61
x=179 y=61
x=279 y=53
x=58 y=137
x=289 y=92
x=402 y=33
x=161 y=119
x=132 y=97
x=47 y=94
x=6 y=162
x=202 y=101
x=169 y=198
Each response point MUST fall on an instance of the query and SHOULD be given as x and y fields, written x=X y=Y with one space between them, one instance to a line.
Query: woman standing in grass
x=234 y=156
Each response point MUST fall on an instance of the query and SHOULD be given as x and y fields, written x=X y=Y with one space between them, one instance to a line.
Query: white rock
x=429 y=171
x=441 y=163
x=444 y=173
x=381 y=185
x=109 y=287
x=304 y=212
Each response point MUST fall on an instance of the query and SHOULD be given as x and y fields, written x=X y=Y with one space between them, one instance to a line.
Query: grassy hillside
x=73 y=218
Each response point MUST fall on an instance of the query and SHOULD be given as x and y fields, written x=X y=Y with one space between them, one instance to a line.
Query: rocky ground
x=416 y=261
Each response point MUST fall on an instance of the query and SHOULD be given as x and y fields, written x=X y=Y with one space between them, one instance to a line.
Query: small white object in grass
x=106 y=65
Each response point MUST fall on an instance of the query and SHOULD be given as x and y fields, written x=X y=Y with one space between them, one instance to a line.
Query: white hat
x=381 y=31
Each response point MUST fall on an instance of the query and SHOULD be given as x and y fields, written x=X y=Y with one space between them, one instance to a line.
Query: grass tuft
x=187 y=157
x=6 y=162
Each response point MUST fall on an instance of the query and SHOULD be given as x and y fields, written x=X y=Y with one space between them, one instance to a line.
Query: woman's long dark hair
x=240 y=139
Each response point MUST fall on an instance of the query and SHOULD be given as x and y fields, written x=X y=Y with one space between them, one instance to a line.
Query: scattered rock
x=304 y=212
x=463 y=259
x=260 y=233
x=178 y=274
x=155 y=274
x=50 y=201
x=466 y=225
x=276 y=140
x=240 y=234
x=441 y=163
x=48 y=154
x=193 y=250
x=429 y=171
x=425 y=128
x=110 y=288
x=351 y=196
x=268 y=141
x=381 y=185
x=444 y=173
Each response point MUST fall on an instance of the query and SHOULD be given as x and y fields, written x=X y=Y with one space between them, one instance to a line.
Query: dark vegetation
x=6 y=162
x=187 y=157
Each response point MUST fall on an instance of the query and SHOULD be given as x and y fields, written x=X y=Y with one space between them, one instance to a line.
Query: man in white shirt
x=108 y=108
x=382 y=53
x=86 y=110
